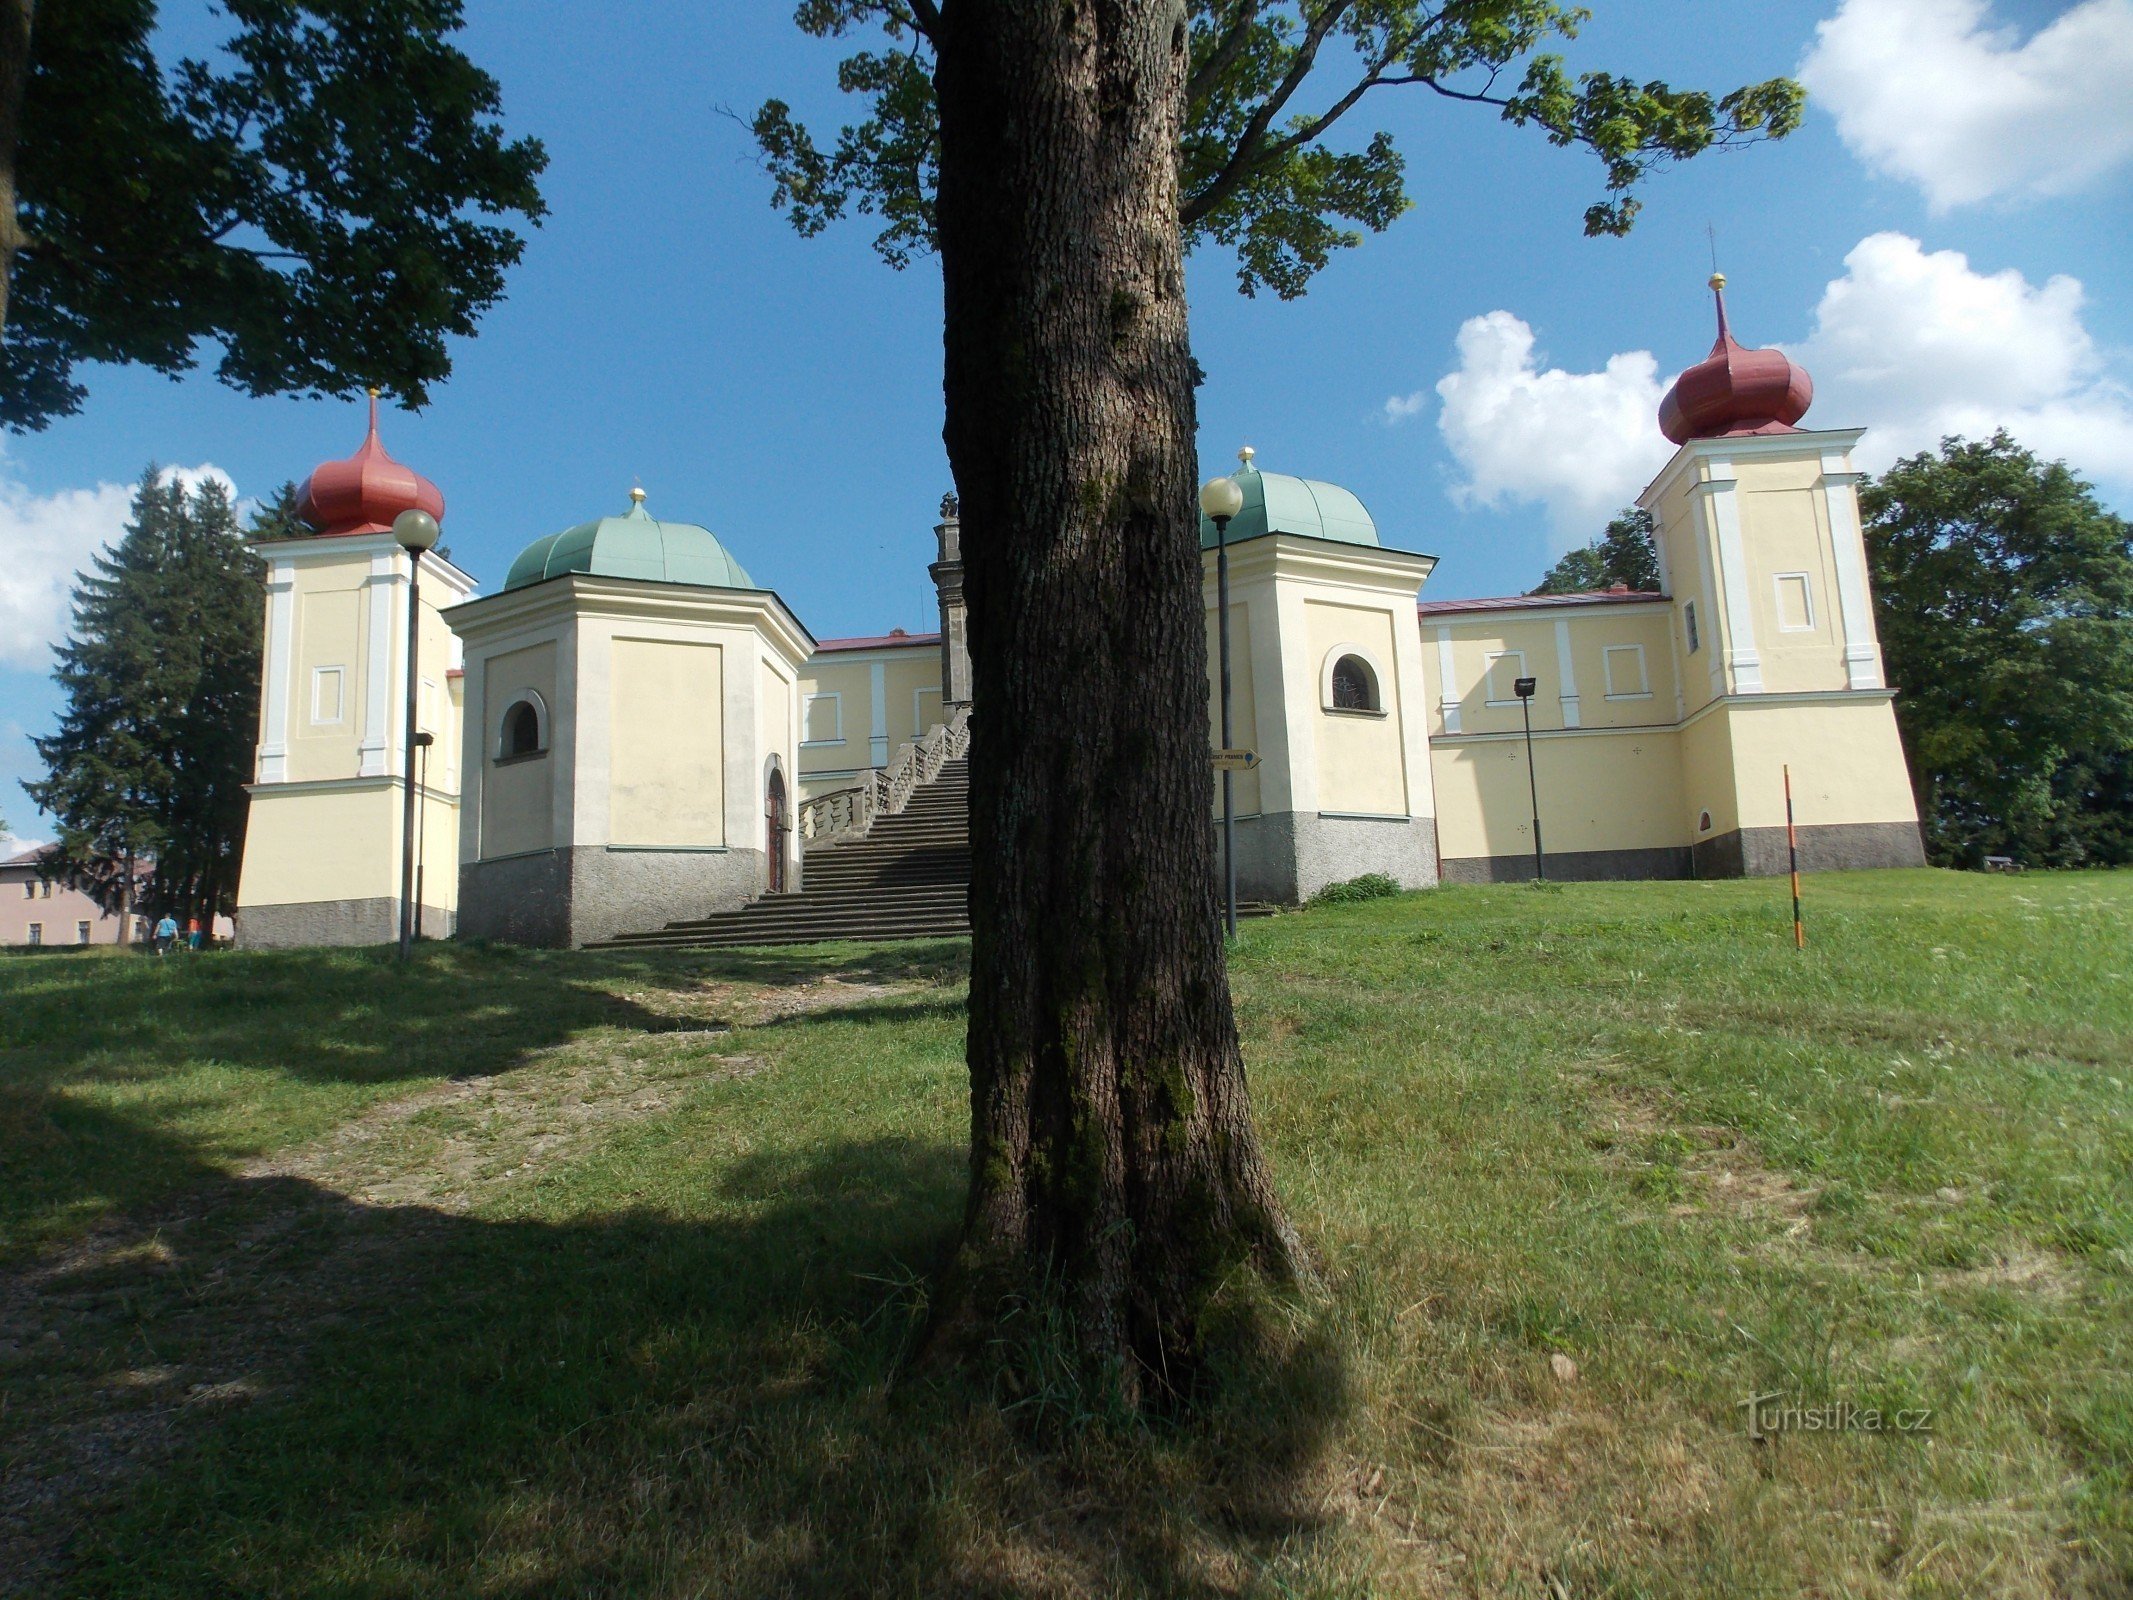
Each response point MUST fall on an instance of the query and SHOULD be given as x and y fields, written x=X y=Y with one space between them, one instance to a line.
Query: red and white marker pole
x=1792 y=848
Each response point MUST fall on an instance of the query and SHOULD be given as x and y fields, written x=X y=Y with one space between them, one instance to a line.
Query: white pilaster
x=1447 y=681
x=1720 y=491
x=878 y=726
x=281 y=642
x=580 y=737
x=474 y=755
x=382 y=588
x=1566 y=671
x=1840 y=498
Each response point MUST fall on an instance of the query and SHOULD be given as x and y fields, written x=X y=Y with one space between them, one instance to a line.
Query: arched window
x=524 y=729
x=1351 y=682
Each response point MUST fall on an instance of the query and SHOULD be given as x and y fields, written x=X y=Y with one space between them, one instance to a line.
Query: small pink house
x=34 y=910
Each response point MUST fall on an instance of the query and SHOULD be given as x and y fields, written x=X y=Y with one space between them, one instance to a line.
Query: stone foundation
x=1831 y=847
x=1288 y=856
x=563 y=898
x=1572 y=866
x=312 y=924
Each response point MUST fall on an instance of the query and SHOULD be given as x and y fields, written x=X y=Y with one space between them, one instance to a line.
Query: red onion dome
x=365 y=492
x=1735 y=390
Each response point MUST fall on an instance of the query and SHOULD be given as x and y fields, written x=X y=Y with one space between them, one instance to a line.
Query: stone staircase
x=907 y=877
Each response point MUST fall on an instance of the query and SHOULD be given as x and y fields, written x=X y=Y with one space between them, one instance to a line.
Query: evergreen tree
x=161 y=676
x=1623 y=555
x=276 y=516
x=2004 y=594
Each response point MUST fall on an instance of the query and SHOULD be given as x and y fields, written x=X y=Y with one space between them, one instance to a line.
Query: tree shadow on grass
x=313 y=1031
x=272 y=1389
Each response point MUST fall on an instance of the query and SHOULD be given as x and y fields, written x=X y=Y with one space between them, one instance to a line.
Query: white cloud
x=46 y=540
x=1580 y=443
x=1914 y=345
x=1932 y=92
x=1910 y=344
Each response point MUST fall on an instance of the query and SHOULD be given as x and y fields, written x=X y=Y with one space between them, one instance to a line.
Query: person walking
x=166 y=931
x=192 y=933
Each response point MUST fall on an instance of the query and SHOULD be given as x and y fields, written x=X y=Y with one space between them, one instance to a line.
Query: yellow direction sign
x=1236 y=760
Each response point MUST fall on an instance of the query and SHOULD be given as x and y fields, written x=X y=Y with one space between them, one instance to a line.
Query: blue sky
x=1943 y=245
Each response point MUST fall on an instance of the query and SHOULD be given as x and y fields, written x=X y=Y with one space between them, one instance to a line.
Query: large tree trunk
x=1113 y=1155
x=15 y=18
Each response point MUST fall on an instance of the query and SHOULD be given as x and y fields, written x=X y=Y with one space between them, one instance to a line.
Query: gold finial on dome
x=1245 y=455
x=1718 y=280
x=637 y=494
x=373 y=391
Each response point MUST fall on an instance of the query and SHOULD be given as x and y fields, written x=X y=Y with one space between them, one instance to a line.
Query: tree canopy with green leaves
x=327 y=197
x=161 y=675
x=2004 y=596
x=1622 y=555
x=1271 y=81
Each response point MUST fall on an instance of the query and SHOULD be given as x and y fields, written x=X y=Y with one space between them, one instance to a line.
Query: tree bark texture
x=1113 y=1153
x=15 y=19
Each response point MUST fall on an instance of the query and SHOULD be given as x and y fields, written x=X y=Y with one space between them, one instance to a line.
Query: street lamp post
x=415 y=532
x=1221 y=499
x=423 y=741
x=1523 y=688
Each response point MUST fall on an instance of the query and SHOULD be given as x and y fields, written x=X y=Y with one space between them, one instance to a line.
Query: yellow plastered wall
x=1361 y=757
x=307 y=845
x=328 y=688
x=1689 y=557
x=1708 y=779
x=1485 y=660
x=665 y=771
x=1847 y=762
x=904 y=679
x=1245 y=789
x=1598 y=791
x=1607 y=683
x=825 y=749
x=1792 y=575
x=518 y=796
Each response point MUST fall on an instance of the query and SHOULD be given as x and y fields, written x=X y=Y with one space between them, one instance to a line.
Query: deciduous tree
x=1061 y=157
x=1623 y=555
x=324 y=197
x=2004 y=595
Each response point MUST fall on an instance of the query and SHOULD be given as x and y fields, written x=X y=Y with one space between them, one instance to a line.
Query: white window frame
x=1488 y=675
x=1689 y=626
x=36 y=934
x=1807 y=593
x=1369 y=659
x=532 y=697
x=1607 y=670
x=918 y=715
x=807 y=701
x=83 y=931
x=339 y=675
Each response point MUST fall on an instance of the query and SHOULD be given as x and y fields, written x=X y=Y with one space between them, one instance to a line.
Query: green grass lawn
x=556 y=1274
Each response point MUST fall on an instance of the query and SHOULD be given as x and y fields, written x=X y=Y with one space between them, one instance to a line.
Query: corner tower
x=631 y=737
x=323 y=832
x=1762 y=555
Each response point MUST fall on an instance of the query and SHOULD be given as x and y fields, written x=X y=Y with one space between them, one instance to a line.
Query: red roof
x=1735 y=390
x=1520 y=602
x=894 y=639
x=365 y=492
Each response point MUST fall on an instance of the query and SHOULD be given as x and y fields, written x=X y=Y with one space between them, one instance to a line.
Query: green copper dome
x=636 y=545
x=1274 y=502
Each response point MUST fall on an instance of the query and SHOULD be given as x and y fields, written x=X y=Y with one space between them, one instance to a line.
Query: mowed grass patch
x=613 y=1293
